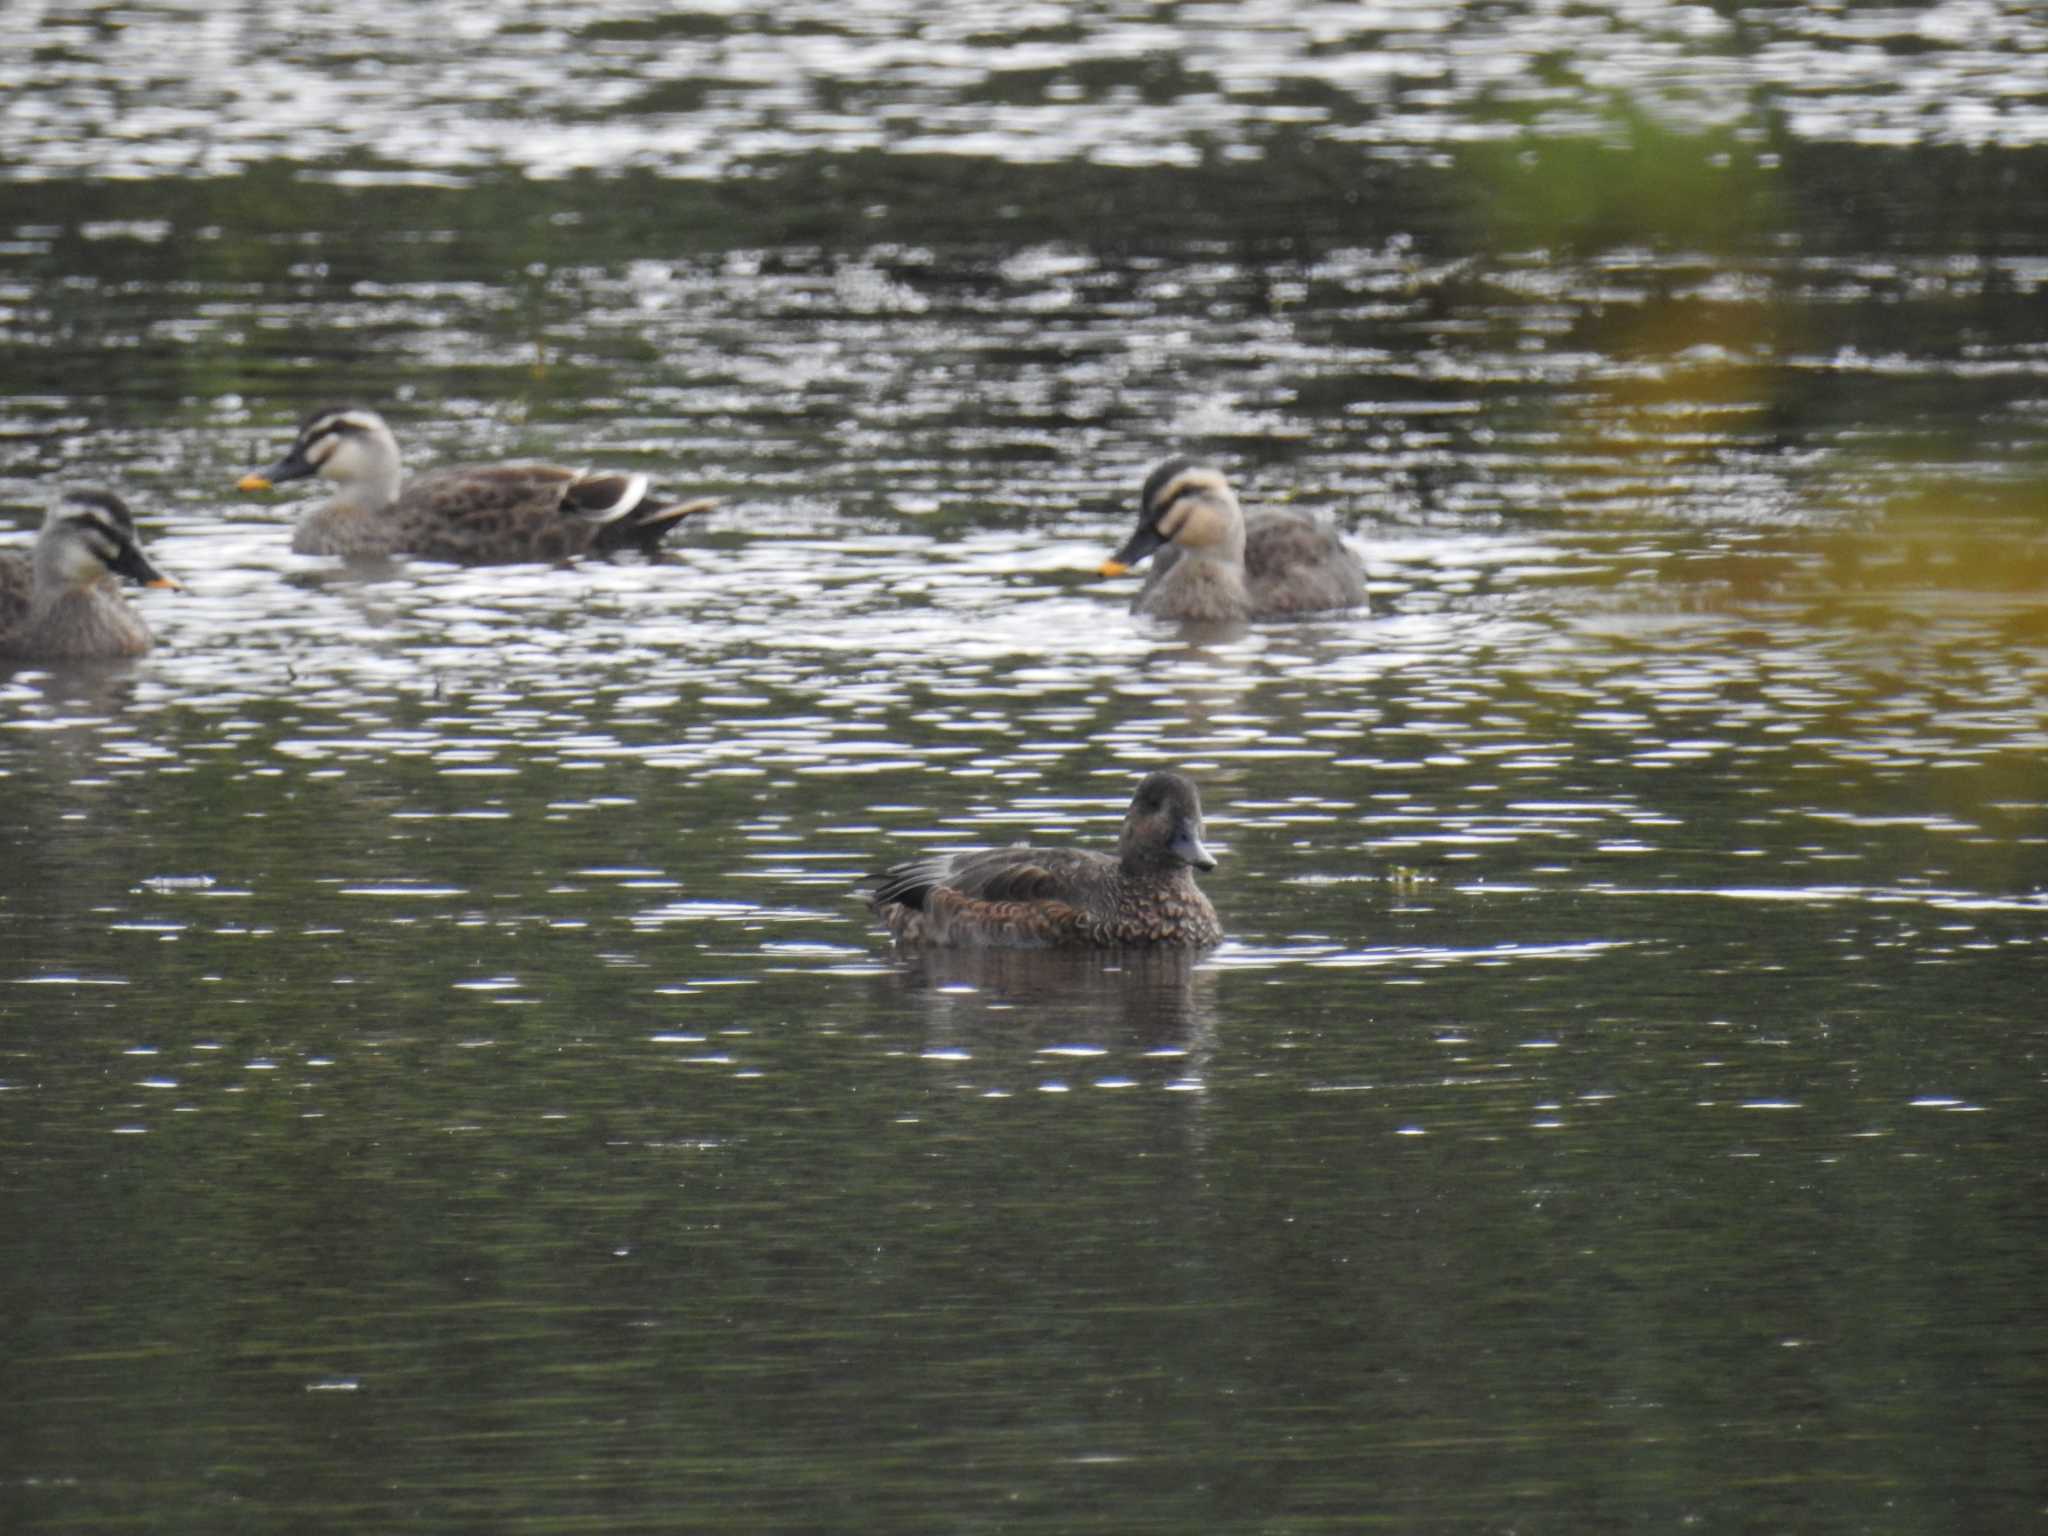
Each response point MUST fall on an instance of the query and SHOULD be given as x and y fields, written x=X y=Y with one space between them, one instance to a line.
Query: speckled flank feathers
x=62 y=599
x=1031 y=898
x=470 y=514
x=1215 y=563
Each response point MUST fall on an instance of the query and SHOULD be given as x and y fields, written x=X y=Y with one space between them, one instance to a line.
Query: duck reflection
x=1034 y=1020
x=70 y=697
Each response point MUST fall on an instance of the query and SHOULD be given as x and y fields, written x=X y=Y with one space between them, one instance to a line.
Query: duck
x=62 y=598
x=1217 y=564
x=1021 y=897
x=469 y=514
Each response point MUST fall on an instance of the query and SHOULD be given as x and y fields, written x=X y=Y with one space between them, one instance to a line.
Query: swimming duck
x=1217 y=564
x=1031 y=898
x=472 y=514
x=63 y=597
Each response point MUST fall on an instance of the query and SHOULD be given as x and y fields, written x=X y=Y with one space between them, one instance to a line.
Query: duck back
x=1034 y=898
x=476 y=513
x=1299 y=564
x=94 y=620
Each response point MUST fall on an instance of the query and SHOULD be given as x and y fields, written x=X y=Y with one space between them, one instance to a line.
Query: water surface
x=447 y=1077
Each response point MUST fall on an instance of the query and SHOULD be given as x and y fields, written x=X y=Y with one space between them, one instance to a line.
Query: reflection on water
x=158 y=91
x=1006 y=1021
x=449 y=1077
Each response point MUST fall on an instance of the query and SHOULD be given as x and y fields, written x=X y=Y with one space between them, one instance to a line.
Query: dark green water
x=447 y=1079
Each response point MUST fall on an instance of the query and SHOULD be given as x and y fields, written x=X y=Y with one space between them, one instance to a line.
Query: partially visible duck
x=62 y=599
x=472 y=514
x=1030 y=898
x=1214 y=563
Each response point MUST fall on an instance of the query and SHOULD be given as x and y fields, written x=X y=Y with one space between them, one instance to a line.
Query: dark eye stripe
x=105 y=541
x=1180 y=494
x=335 y=420
x=330 y=435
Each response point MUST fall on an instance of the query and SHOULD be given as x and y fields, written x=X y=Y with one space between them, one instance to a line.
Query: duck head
x=346 y=444
x=1187 y=505
x=89 y=535
x=1163 y=828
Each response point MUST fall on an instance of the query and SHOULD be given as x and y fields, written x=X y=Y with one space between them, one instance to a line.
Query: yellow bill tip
x=253 y=482
x=1113 y=568
x=166 y=584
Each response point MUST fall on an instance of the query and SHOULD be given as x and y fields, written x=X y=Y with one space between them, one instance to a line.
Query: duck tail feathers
x=907 y=885
x=644 y=527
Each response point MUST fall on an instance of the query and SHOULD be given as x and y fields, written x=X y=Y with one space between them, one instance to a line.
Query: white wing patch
x=634 y=493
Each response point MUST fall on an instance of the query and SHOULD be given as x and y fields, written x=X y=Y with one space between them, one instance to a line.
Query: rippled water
x=169 y=90
x=447 y=1078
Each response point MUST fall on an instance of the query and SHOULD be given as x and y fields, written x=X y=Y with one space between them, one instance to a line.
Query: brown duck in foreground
x=1215 y=563
x=62 y=599
x=1033 y=898
x=471 y=514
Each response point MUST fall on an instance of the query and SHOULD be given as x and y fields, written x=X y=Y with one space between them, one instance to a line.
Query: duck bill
x=1141 y=544
x=134 y=564
x=292 y=466
x=1187 y=847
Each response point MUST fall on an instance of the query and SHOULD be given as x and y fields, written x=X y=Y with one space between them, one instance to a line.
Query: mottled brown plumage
x=470 y=514
x=1027 y=898
x=62 y=599
x=1216 y=563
